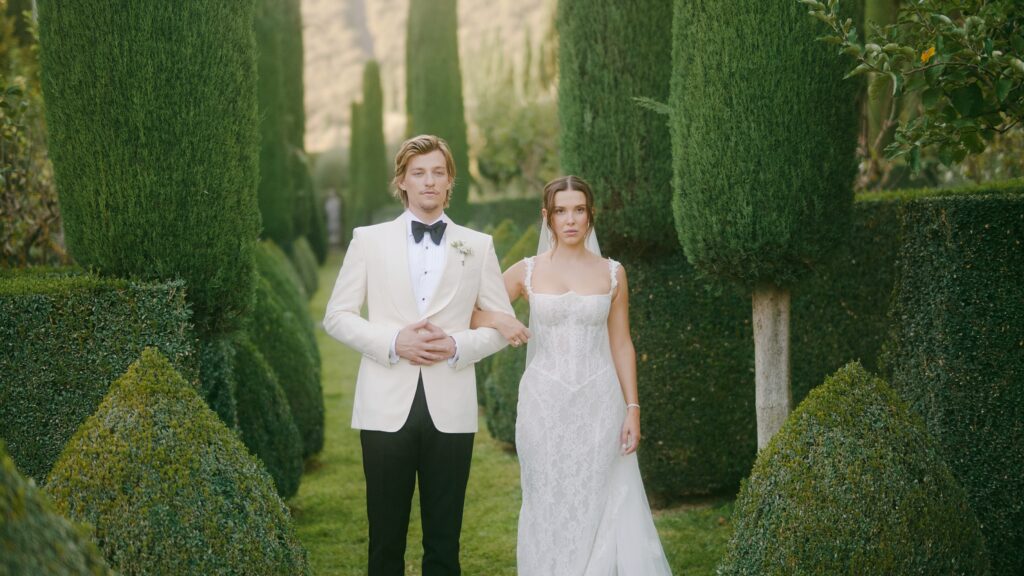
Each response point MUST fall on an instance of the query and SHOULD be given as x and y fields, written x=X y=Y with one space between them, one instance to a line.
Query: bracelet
x=632 y=405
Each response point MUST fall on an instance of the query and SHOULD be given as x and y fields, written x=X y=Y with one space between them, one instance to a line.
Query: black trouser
x=391 y=463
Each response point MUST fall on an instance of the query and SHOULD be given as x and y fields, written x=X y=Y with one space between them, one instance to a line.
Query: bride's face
x=569 y=219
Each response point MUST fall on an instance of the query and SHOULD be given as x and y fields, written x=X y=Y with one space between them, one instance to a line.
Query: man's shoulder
x=373 y=230
x=473 y=236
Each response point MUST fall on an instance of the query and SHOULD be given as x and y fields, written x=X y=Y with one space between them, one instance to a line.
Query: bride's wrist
x=633 y=406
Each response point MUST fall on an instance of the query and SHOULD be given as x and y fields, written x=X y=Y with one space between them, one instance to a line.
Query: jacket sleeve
x=343 y=321
x=476 y=344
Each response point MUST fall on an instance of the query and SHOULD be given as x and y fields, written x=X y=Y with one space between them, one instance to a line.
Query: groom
x=421 y=276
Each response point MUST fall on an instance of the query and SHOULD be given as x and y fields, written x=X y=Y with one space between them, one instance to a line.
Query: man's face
x=427 y=182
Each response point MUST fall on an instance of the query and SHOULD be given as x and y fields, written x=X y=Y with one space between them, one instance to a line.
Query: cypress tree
x=276 y=192
x=294 y=110
x=353 y=209
x=610 y=141
x=375 y=172
x=433 y=87
x=764 y=129
x=152 y=119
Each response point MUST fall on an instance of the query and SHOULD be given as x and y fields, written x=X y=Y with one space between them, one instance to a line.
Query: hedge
x=64 y=339
x=265 y=419
x=152 y=126
x=853 y=484
x=34 y=538
x=620 y=148
x=525 y=212
x=957 y=349
x=305 y=263
x=279 y=336
x=216 y=380
x=168 y=488
x=764 y=135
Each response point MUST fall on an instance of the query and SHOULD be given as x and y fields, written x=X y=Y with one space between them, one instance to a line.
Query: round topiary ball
x=168 y=488
x=36 y=540
x=265 y=419
x=852 y=484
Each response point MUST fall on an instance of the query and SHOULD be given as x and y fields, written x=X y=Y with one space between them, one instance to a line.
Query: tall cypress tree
x=607 y=139
x=159 y=180
x=294 y=111
x=433 y=86
x=375 y=175
x=764 y=132
x=276 y=191
x=353 y=207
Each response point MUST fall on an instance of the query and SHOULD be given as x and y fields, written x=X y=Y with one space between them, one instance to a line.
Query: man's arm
x=342 y=320
x=476 y=344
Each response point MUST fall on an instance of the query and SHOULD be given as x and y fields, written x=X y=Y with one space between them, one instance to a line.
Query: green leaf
x=967 y=100
x=653 y=105
x=858 y=71
x=973 y=142
x=1003 y=86
x=930 y=97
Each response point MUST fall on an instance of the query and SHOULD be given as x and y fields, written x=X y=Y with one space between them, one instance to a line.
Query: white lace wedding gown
x=584 y=509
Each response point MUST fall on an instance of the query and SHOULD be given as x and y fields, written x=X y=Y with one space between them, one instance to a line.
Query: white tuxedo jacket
x=376 y=271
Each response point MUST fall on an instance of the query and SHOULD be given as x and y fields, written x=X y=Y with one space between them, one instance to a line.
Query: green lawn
x=330 y=512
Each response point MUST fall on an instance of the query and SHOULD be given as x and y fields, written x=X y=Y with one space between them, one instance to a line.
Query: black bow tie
x=436 y=231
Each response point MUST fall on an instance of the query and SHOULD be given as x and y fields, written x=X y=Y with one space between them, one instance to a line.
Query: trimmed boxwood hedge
x=278 y=334
x=264 y=417
x=36 y=540
x=168 y=488
x=853 y=484
x=957 y=352
x=64 y=339
x=304 y=260
x=525 y=212
x=216 y=380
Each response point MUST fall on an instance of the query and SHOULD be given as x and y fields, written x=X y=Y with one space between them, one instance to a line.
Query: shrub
x=156 y=165
x=853 y=484
x=64 y=339
x=617 y=146
x=278 y=335
x=525 y=212
x=505 y=236
x=957 y=349
x=264 y=418
x=216 y=379
x=34 y=538
x=305 y=264
x=168 y=488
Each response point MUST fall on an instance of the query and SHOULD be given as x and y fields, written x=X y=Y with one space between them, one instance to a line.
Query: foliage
x=264 y=417
x=376 y=176
x=30 y=226
x=621 y=149
x=64 y=339
x=304 y=260
x=157 y=164
x=278 y=334
x=515 y=129
x=853 y=484
x=763 y=137
x=962 y=58
x=168 y=488
x=277 y=190
x=957 y=349
x=34 y=538
x=217 y=383
x=433 y=87
x=525 y=212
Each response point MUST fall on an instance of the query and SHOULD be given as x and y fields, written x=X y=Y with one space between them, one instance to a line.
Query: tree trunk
x=771 y=361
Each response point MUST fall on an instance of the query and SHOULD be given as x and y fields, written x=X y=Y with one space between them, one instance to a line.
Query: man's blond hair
x=418 y=146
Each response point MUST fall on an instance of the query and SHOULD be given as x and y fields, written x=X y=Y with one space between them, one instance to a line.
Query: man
x=421 y=277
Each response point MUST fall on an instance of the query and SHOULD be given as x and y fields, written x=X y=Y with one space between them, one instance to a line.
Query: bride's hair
x=561 y=185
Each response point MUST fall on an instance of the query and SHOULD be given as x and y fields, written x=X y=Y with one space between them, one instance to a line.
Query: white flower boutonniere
x=462 y=249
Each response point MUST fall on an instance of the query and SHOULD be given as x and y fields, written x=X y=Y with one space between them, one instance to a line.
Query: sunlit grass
x=330 y=508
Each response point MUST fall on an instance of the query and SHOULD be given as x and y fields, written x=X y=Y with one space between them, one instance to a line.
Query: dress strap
x=613 y=267
x=528 y=281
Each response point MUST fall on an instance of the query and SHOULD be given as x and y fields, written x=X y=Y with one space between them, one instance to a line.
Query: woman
x=584 y=509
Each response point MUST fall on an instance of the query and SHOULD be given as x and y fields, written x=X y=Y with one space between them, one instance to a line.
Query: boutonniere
x=462 y=249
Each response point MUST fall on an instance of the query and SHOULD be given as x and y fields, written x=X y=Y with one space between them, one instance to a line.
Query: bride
x=584 y=510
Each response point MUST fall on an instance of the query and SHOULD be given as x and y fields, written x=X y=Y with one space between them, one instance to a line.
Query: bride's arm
x=509 y=326
x=624 y=356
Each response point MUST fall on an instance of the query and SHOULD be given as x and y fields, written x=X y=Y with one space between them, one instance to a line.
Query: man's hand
x=423 y=344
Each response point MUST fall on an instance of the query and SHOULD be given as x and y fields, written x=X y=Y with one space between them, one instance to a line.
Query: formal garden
x=820 y=206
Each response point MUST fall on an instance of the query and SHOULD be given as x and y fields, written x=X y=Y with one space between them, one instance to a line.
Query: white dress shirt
x=426 y=264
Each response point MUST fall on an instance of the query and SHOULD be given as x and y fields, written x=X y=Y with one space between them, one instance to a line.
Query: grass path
x=330 y=511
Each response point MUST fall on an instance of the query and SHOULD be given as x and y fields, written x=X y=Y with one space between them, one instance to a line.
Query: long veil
x=544 y=244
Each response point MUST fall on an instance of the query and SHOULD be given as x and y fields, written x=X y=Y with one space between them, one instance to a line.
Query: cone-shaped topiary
x=433 y=87
x=265 y=419
x=35 y=539
x=168 y=488
x=278 y=335
x=153 y=130
x=853 y=484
